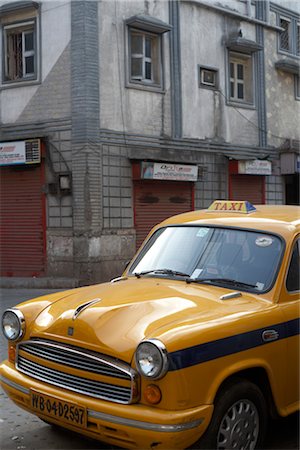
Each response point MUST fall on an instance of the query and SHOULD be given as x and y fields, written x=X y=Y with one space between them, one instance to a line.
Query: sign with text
x=20 y=152
x=12 y=153
x=255 y=167
x=166 y=171
x=231 y=206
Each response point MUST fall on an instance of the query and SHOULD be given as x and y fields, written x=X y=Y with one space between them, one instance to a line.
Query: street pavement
x=20 y=430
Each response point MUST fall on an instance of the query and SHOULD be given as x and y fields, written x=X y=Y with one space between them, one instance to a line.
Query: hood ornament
x=82 y=307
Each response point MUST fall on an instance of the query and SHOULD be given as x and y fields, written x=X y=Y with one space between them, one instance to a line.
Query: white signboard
x=176 y=172
x=255 y=167
x=12 y=153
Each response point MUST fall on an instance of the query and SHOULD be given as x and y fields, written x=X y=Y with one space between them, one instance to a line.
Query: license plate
x=58 y=409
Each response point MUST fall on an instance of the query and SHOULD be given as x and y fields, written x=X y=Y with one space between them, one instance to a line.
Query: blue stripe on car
x=201 y=353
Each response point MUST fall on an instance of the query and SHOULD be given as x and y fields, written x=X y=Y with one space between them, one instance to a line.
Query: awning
x=243 y=157
x=148 y=23
x=239 y=44
x=8 y=8
x=288 y=65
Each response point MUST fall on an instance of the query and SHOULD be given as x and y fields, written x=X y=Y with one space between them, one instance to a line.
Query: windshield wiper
x=161 y=272
x=235 y=283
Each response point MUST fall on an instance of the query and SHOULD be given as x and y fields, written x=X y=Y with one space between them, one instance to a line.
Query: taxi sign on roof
x=232 y=206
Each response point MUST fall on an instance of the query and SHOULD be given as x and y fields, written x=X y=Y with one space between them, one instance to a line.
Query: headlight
x=152 y=359
x=13 y=324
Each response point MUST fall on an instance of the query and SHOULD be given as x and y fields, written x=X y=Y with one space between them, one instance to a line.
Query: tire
x=239 y=420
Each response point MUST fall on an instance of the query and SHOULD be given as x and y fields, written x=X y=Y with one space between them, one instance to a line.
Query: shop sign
x=255 y=167
x=12 y=153
x=20 y=152
x=298 y=164
x=166 y=171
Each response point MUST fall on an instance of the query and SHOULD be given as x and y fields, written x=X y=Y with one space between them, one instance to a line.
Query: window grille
x=289 y=38
x=285 y=35
x=20 y=52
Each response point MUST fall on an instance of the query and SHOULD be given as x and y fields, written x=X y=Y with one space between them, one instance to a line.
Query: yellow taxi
x=196 y=344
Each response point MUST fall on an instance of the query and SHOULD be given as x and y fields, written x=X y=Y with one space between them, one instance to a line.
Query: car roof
x=281 y=219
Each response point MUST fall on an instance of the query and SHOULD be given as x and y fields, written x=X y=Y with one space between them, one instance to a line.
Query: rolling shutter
x=248 y=187
x=22 y=234
x=158 y=200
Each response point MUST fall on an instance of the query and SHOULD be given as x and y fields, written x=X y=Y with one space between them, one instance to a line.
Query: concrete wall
x=88 y=115
x=206 y=113
x=34 y=102
x=283 y=109
x=43 y=108
x=122 y=108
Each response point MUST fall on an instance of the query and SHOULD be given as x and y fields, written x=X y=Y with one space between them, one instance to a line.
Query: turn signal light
x=152 y=394
x=11 y=353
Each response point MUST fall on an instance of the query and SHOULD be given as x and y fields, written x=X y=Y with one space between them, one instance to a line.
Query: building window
x=20 y=56
x=240 y=78
x=144 y=58
x=285 y=35
x=289 y=37
x=208 y=77
x=292 y=281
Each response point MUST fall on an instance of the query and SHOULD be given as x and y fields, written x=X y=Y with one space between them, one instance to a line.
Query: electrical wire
x=268 y=133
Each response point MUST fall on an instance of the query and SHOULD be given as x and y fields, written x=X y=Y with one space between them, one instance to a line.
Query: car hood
x=113 y=318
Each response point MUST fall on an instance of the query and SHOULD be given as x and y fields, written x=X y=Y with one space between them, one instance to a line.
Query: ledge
x=9 y=8
x=242 y=45
x=289 y=66
x=148 y=23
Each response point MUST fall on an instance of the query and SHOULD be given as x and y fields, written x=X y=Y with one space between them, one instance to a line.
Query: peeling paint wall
x=123 y=108
x=283 y=110
x=26 y=103
x=84 y=96
x=206 y=113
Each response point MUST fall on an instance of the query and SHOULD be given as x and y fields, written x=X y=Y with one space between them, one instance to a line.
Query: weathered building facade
x=116 y=114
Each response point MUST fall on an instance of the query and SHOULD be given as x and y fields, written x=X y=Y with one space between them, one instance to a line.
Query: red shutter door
x=158 y=200
x=247 y=187
x=22 y=236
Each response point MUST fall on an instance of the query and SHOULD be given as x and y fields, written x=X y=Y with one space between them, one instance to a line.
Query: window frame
x=294 y=32
x=156 y=85
x=24 y=25
x=288 y=31
x=296 y=243
x=151 y=239
x=239 y=58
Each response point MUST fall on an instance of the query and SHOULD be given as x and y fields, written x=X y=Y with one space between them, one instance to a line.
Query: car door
x=290 y=307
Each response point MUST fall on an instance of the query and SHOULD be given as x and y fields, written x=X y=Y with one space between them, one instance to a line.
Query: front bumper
x=127 y=426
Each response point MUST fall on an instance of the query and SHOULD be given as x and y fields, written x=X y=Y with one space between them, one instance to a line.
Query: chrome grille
x=69 y=356
x=86 y=362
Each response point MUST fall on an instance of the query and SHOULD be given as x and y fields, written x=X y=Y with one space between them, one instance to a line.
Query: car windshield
x=244 y=259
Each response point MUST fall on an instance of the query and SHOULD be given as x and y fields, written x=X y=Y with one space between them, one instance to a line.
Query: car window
x=213 y=252
x=292 y=280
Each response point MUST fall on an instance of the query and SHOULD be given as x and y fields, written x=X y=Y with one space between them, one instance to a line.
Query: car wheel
x=239 y=420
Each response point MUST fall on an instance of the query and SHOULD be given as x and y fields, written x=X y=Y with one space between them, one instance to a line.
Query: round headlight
x=13 y=324
x=152 y=359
